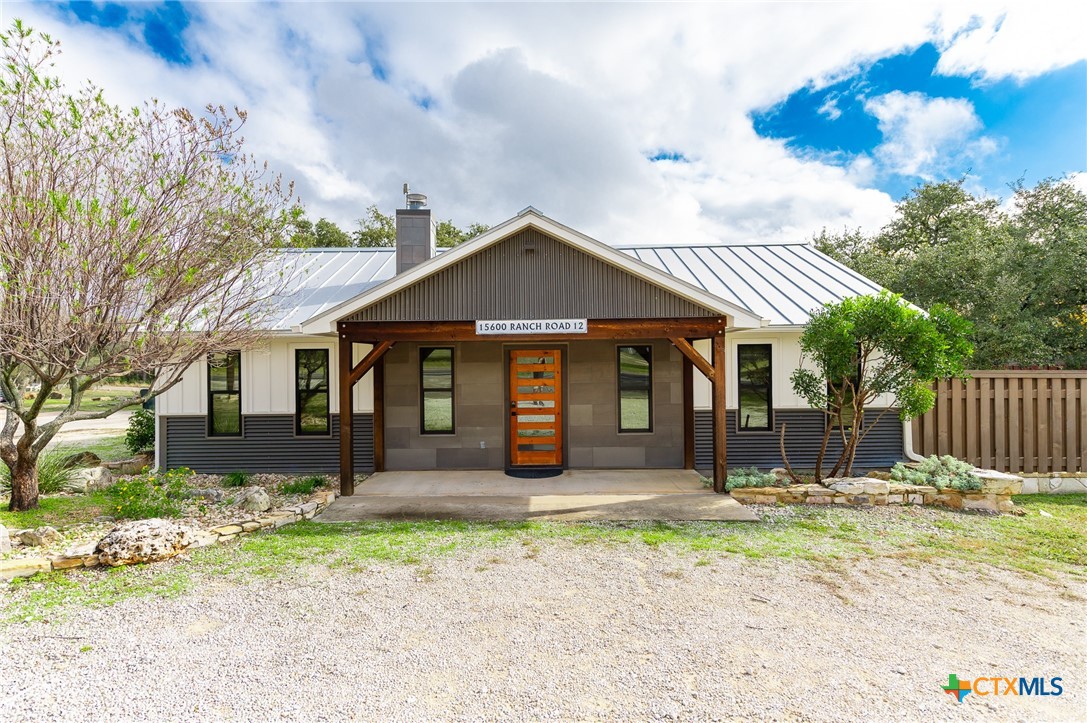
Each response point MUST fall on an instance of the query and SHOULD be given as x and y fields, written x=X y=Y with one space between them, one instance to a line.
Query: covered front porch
x=574 y=495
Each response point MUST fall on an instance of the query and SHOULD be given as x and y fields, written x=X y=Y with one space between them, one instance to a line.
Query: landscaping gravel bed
x=556 y=630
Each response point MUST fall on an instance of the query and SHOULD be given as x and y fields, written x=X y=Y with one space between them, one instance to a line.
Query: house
x=529 y=347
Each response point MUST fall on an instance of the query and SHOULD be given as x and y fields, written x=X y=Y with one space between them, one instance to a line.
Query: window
x=436 y=380
x=225 y=394
x=754 y=367
x=311 y=391
x=635 y=388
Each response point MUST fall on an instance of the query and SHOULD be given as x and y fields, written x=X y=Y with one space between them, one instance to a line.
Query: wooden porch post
x=688 y=414
x=347 y=438
x=720 y=465
x=379 y=415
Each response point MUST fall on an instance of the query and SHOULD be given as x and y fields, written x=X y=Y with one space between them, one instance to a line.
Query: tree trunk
x=24 y=482
x=822 y=453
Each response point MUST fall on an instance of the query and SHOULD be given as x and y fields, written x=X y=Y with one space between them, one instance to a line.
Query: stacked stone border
x=273 y=519
x=993 y=497
x=1054 y=483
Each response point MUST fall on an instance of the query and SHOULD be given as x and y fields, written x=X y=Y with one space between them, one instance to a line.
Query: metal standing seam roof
x=323 y=278
x=780 y=282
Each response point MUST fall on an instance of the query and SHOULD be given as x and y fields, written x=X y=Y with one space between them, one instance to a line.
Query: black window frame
x=619 y=388
x=424 y=352
x=212 y=393
x=769 y=389
x=298 y=394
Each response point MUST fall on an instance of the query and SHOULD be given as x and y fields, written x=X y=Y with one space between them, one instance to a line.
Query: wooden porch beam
x=696 y=358
x=445 y=331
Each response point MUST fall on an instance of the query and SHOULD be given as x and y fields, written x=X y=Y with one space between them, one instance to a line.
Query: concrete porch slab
x=576 y=495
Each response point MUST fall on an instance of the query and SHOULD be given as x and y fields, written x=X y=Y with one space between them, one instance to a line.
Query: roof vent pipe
x=415 y=201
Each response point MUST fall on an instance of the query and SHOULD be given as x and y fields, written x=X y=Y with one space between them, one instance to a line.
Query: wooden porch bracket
x=368 y=361
x=350 y=374
x=694 y=355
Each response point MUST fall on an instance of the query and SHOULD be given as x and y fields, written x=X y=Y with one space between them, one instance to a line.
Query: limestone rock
x=253 y=499
x=879 y=474
x=39 y=536
x=211 y=495
x=144 y=541
x=859 y=486
x=92 y=479
x=81 y=459
x=135 y=465
x=5 y=540
x=999 y=483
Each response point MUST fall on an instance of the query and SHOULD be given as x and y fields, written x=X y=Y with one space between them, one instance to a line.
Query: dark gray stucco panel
x=803 y=435
x=269 y=445
x=531 y=275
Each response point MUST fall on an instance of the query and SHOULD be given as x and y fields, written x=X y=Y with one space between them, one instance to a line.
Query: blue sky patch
x=667 y=155
x=159 y=25
x=1031 y=122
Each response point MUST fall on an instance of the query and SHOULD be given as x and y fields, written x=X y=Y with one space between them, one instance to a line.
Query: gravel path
x=563 y=631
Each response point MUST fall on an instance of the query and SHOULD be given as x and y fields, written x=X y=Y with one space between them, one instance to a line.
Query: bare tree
x=133 y=239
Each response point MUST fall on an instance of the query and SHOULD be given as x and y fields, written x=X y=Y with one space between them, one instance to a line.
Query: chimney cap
x=416 y=200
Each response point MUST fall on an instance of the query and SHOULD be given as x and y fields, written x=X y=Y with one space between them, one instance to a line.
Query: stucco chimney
x=416 y=235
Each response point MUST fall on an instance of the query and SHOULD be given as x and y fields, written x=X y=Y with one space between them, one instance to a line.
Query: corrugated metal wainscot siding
x=269 y=445
x=804 y=432
x=550 y=281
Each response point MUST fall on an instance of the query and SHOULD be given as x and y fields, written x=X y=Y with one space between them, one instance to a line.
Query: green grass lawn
x=1035 y=544
x=109 y=449
x=95 y=400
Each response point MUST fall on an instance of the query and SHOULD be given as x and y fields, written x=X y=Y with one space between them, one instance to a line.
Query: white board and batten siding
x=785 y=357
x=267 y=380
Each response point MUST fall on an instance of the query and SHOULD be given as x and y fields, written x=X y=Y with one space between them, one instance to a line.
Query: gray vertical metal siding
x=803 y=434
x=269 y=445
x=554 y=280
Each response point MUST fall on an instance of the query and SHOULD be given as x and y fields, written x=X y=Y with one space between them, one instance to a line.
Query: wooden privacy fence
x=1014 y=421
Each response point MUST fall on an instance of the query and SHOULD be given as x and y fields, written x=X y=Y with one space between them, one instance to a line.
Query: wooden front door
x=536 y=407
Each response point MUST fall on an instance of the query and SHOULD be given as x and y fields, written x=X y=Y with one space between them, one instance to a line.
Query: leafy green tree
x=866 y=347
x=131 y=241
x=448 y=235
x=1016 y=274
x=375 y=229
x=324 y=234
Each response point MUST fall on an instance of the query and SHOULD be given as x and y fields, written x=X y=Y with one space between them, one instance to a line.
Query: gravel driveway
x=563 y=631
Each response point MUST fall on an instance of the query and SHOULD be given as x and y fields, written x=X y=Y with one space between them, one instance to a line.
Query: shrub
x=939 y=472
x=305 y=485
x=235 y=479
x=152 y=494
x=53 y=476
x=141 y=431
x=749 y=477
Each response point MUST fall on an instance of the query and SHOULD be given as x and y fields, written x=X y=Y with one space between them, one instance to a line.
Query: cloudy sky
x=634 y=123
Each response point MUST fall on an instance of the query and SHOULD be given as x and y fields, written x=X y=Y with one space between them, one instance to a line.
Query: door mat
x=534 y=472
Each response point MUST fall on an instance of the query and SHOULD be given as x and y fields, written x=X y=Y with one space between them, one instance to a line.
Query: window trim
x=619 y=391
x=740 y=429
x=211 y=394
x=298 y=393
x=423 y=352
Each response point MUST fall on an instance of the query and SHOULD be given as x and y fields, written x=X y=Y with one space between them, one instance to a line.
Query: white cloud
x=925 y=136
x=830 y=108
x=1016 y=40
x=548 y=105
